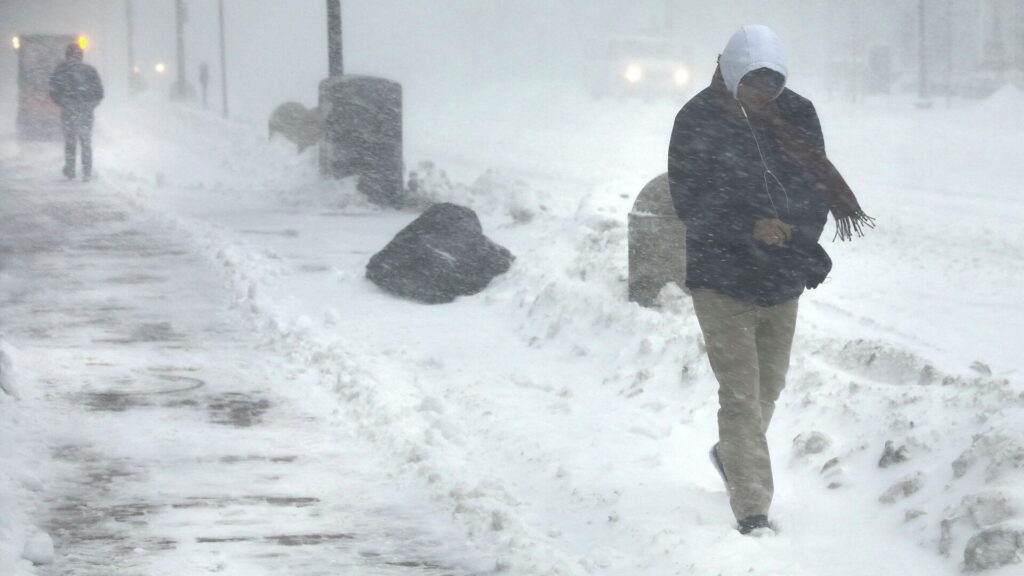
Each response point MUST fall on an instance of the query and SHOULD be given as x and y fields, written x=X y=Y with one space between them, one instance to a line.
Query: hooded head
x=74 y=52
x=751 y=48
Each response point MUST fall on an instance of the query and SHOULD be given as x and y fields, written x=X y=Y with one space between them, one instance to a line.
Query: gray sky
x=436 y=48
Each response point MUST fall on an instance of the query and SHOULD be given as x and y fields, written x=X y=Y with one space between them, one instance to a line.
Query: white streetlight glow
x=634 y=73
x=682 y=76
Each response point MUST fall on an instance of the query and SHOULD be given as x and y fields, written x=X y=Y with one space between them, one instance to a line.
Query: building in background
x=971 y=48
x=997 y=44
x=856 y=49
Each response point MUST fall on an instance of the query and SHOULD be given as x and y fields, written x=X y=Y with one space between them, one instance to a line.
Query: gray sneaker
x=757 y=526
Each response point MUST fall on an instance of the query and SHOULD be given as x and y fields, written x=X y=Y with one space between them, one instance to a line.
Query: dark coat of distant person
x=75 y=86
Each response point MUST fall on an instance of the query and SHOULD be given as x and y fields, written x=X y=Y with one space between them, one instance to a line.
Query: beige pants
x=748 y=347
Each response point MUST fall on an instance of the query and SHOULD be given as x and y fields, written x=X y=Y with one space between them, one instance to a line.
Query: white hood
x=750 y=48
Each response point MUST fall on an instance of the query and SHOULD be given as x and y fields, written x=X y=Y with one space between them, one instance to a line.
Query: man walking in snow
x=76 y=88
x=750 y=179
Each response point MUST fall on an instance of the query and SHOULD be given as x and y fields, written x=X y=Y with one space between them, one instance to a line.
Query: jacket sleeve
x=699 y=181
x=95 y=88
x=809 y=125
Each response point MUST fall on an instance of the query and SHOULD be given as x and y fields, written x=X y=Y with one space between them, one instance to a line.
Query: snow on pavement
x=156 y=434
x=568 y=429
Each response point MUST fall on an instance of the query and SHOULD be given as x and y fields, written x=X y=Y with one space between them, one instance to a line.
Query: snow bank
x=1007 y=102
x=20 y=488
x=567 y=428
x=39 y=549
x=492 y=194
x=8 y=371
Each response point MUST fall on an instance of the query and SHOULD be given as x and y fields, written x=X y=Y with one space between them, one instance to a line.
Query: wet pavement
x=179 y=443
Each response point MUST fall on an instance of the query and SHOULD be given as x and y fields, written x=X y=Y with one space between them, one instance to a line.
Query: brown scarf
x=849 y=216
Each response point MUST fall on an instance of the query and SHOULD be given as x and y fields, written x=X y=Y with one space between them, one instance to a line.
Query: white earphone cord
x=767 y=170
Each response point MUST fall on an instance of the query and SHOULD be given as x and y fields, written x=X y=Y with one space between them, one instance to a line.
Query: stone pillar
x=363 y=135
x=657 y=243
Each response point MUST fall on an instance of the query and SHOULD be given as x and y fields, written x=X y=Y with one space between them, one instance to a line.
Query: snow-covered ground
x=154 y=433
x=564 y=429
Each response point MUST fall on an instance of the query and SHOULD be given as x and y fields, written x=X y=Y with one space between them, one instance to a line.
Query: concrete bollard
x=363 y=135
x=657 y=243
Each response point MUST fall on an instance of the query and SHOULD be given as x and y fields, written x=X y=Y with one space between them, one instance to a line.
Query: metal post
x=204 y=83
x=949 y=53
x=922 y=86
x=334 y=43
x=129 y=17
x=855 y=65
x=179 y=25
x=223 y=60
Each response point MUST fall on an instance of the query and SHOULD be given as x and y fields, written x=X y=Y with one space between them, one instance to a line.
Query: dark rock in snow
x=810 y=443
x=834 y=473
x=892 y=455
x=994 y=547
x=300 y=125
x=999 y=452
x=830 y=465
x=988 y=508
x=440 y=256
x=913 y=514
x=905 y=488
x=975 y=512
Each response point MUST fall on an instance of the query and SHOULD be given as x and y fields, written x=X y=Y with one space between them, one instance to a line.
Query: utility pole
x=223 y=60
x=180 y=90
x=922 y=79
x=204 y=83
x=855 y=55
x=129 y=18
x=334 y=45
x=949 y=53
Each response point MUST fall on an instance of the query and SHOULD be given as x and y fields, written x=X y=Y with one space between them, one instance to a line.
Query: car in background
x=645 y=66
x=38 y=57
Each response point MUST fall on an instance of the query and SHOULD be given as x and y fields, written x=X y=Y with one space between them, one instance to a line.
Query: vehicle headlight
x=682 y=76
x=160 y=68
x=634 y=73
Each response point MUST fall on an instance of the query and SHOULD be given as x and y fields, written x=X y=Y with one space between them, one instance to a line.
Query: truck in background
x=645 y=65
x=38 y=56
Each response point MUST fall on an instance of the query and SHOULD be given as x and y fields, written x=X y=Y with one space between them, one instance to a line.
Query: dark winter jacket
x=76 y=86
x=718 y=185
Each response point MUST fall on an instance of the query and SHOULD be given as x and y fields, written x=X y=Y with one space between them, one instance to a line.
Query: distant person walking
x=750 y=179
x=76 y=88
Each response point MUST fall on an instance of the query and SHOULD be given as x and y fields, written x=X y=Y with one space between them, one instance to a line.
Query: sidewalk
x=168 y=438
